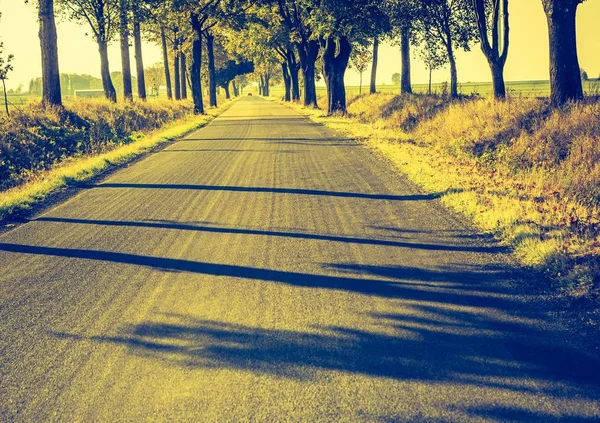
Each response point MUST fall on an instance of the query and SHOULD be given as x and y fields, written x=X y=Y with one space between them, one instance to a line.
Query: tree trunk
x=212 y=73
x=183 y=63
x=293 y=69
x=261 y=85
x=227 y=93
x=176 y=64
x=498 y=80
x=429 y=86
x=308 y=52
x=5 y=97
x=48 y=42
x=360 y=85
x=405 y=80
x=335 y=63
x=266 y=87
x=236 y=92
x=453 y=71
x=195 y=66
x=163 y=39
x=109 y=88
x=125 y=57
x=499 y=23
x=139 y=60
x=287 y=81
x=565 y=77
x=373 y=88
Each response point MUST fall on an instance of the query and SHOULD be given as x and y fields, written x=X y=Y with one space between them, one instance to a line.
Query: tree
x=336 y=56
x=176 y=62
x=360 y=58
x=204 y=15
x=183 y=75
x=197 y=23
x=494 y=12
x=297 y=15
x=5 y=68
x=51 y=94
x=124 y=9
x=232 y=69
x=153 y=18
x=336 y=26
x=212 y=78
x=452 y=24
x=396 y=78
x=433 y=57
x=405 y=75
x=266 y=31
x=165 y=52
x=139 y=59
x=565 y=81
x=403 y=15
x=156 y=77
x=375 y=55
x=102 y=16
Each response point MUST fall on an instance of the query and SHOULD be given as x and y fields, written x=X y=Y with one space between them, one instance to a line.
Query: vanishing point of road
x=266 y=269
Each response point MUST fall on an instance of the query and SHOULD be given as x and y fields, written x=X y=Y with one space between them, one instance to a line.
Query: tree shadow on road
x=438 y=345
x=166 y=224
x=297 y=191
x=402 y=287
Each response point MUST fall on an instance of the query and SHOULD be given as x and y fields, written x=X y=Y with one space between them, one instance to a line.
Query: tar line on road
x=266 y=269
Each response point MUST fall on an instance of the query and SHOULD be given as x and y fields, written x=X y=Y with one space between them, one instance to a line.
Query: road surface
x=265 y=269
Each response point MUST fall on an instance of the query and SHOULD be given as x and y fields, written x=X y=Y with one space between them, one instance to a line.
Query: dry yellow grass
x=80 y=169
x=519 y=169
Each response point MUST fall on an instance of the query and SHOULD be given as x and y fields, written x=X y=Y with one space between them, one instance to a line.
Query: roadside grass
x=71 y=171
x=518 y=169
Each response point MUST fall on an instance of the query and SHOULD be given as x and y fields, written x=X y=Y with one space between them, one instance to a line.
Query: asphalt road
x=263 y=269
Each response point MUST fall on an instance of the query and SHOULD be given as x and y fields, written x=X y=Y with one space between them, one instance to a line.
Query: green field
x=515 y=88
x=16 y=101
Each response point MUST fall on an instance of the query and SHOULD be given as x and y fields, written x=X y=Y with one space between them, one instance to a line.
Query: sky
x=527 y=59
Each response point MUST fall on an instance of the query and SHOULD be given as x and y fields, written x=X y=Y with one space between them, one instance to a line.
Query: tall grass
x=34 y=139
x=86 y=164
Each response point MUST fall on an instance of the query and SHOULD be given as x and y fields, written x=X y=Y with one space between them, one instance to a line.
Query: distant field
x=19 y=100
x=515 y=88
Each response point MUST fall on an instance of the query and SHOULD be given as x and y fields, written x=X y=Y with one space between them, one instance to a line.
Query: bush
x=34 y=139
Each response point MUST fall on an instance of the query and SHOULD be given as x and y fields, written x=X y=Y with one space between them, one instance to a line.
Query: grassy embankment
x=519 y=169
x=45 y=150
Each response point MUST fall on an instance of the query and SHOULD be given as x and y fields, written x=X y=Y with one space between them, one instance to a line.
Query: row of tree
x=218 y=40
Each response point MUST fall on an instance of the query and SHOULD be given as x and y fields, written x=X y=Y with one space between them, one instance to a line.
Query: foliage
x=102 y=16
x=432 y=55
x=231 y=70
x=361 y=57
x=5 y=65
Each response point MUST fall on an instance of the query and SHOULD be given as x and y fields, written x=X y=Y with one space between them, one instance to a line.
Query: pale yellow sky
x=528 y=55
